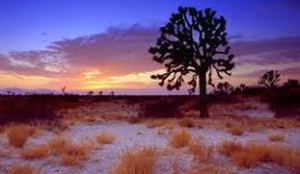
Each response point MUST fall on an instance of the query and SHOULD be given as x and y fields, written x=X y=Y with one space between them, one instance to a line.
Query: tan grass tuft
x=228 y=147
x=35 y=152
x=18 y=134
x=21 y=169
x=252 y=153
x=276 y=137
x=139 y=162
x=105 y=138
x=200 y=151
x=180 y=139
x=69 y=152
x=237 y=130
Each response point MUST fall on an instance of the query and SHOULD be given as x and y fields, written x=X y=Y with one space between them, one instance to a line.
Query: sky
x=103 y=45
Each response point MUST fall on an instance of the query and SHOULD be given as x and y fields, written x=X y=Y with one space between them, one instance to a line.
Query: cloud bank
x=119 y=58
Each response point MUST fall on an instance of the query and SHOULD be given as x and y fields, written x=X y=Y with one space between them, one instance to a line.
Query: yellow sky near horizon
x=95 y=80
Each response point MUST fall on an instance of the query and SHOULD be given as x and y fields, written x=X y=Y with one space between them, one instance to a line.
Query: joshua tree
x=270 y=79
x=193 y=44
x=224 y=88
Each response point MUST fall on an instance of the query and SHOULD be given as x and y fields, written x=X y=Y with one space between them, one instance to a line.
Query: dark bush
x=284 y=102
x=162 y=107
x=34 y=107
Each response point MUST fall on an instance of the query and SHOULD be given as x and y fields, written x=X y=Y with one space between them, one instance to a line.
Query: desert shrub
x=291 y=83
x=18 y=134
x=276 y=137
x=180 y=139
x=21 y=169
x=105 y=138
x=163 y=107
x=137 y=162
x=35 y=152
x=236 y=130
x=186 y=122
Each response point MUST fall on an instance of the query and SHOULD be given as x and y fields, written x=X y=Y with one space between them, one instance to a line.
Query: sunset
x=149 y=87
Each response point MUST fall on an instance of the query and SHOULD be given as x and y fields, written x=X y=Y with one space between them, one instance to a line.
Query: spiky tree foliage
x=193 y=45
x=270 y=79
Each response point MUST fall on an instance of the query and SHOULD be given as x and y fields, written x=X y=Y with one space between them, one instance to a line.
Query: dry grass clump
x=243 y=156
x=21 y=169
x=69 y=152
x=200 y=151
x=58 y=144
x=186 y=122
x=139 y=162
x=276 y=137
x=228 y=147
x=252 y=153
x=180 y=139
x=236 y=130
x=105 y=138
x=35 y=152
x=18 y=134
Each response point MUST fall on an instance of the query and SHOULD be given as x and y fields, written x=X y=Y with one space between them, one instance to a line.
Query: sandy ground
x=134 y=136
x=129 y=136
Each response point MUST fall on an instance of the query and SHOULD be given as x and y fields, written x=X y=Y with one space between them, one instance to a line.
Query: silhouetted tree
x=193 y=44
x=63 y=90
x=291 y=83
x=100 y=93
x=270 y=79
x=90 y=93
x=112 y=93
x=224 y=88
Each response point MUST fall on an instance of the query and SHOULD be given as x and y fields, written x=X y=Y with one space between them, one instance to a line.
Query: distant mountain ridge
x=25 y=91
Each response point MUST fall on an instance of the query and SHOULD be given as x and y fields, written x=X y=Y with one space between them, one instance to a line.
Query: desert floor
x=96 y=139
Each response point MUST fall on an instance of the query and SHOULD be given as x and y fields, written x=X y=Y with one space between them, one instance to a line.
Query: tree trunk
x=203 y=96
